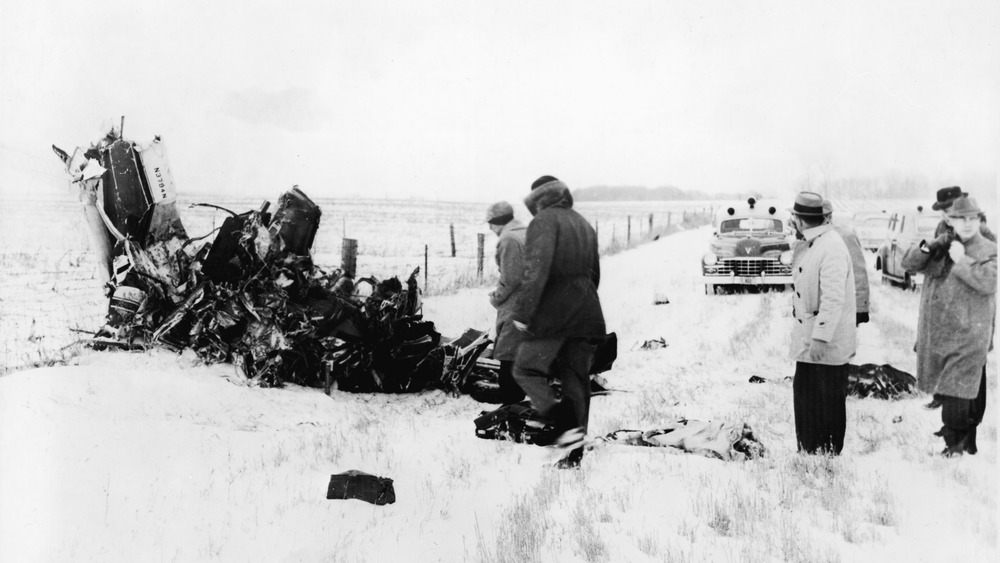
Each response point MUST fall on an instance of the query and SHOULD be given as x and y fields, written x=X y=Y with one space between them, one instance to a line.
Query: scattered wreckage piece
x=480 y=379
x=879 y=381
x=517 y=422
x=870 y=380
x=359 y=485
x=720 y=440
x=653 y=344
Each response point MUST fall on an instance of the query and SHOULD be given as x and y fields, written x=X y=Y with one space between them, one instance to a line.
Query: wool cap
x=543 y=180
x=808 y=204
x=945 y=197
x=964 y=207
x=499 y=213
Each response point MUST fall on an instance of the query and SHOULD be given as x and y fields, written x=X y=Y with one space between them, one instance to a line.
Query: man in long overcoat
x=560 y=313
x=510 y=261
x=954 y=325
x=823 y=334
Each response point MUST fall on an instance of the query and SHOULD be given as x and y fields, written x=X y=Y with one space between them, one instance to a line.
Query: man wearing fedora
x=947 y=196
x=955 y=322
x=510 y=260
x=823 y=334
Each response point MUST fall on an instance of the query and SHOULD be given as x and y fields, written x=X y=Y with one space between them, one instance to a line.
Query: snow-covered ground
x=157 y=457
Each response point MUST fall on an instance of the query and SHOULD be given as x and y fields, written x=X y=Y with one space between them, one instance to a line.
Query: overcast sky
x=474 y=100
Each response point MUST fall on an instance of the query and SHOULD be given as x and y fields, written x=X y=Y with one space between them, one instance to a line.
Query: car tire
x=878 y=265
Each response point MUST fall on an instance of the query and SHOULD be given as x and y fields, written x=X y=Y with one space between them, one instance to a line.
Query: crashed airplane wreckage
x=253 y=296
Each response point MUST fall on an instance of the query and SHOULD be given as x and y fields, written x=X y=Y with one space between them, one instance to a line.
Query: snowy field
x=50 y=298
x=156 y=457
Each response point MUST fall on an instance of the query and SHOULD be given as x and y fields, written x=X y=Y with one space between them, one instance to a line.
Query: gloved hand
x=860 y=318
x=939 y=245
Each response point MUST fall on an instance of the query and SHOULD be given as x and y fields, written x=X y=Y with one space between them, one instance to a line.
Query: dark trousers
x=820 y=397
x=510 y=391
x=555 y=373
x=961 y=417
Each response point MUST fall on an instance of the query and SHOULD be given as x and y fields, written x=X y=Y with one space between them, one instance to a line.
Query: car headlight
x=786 y=257
x=710 y=259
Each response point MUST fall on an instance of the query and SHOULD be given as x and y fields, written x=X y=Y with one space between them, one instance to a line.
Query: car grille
x=751 y=266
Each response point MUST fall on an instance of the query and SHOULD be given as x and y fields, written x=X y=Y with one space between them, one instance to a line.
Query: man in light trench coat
x=955 y=322
x=823 y=334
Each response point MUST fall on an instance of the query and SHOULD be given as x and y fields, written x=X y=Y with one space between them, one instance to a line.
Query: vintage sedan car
x=750 y=247
x=905 y=230
x=871 y=226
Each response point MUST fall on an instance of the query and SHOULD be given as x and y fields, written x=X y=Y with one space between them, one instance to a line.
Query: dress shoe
x=934 y=404
x=571 y=442
x=970 y=442
x=572 y=459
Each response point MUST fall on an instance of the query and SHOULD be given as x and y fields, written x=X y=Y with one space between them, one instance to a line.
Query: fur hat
x=964 y=207
x=543 y=180
x=500 y=213
x=946 y=196
x=808 y=204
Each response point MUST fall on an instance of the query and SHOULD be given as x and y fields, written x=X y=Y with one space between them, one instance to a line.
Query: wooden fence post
x=481 y=240
x=452 y=228
x=349 y=257
x=628 y=231
x=425 y=267
x=650 y=223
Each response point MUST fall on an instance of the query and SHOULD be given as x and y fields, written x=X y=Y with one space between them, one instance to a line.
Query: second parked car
x=871 y=227
x=905 y=230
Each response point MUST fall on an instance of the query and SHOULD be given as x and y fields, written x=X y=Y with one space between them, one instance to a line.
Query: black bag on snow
x=362 y=486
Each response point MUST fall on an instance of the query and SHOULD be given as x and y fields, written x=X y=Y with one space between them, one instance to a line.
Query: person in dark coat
x=560 y=313
x=857 y=252
x=510 y=261
x=824 y=332
x=955 y=322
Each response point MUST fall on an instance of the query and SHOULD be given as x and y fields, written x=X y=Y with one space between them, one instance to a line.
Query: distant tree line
x=890 y=186
x=640 y=193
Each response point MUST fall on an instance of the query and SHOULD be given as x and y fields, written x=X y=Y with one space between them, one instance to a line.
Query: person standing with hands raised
x=955 y=322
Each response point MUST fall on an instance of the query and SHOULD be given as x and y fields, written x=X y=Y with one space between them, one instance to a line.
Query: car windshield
x=876 y=223
x=750 y=224
x=927 y=225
